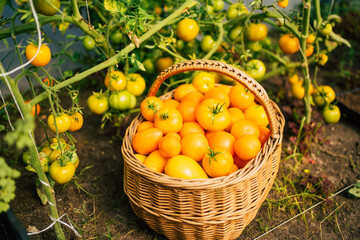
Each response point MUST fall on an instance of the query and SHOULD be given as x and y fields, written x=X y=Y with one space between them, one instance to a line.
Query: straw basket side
x=218 y=208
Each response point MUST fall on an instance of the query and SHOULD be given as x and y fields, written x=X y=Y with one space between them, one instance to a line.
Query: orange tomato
x=247 y=147
x=194 y=145
x=217 y=162
x=140 y=157
x=233 y=169
x=191 y=127
x=77 y=121
x=169 y=146
x=35 y=110
x=145 y=125
x=188 y=110
x=218 y=93
x=184 y=167
x=217 y=76
x=162 y=63
x=147 y=140
x=298 y=91
x=244 y=127
x=168 y=119
x=235 y=115
x=222 y=140
x=171 y=103
x=283 y=3
x=149 y=107
x=239 y=162
x=225 y=88
x=309 y=50
x=293 y=78
x=155 y=161
x=289 y=44
x=257 y=114
x=264 y=135
x=241 y=97
x=182 y=90
x=203 y=82
x=174 y=135
x=48 y=82
x=311 y=38
x=115 y=80
x=212 y=115
x=195 y=96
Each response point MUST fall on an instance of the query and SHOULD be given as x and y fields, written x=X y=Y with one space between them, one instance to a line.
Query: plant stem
x=35 y=160
x=304 y=60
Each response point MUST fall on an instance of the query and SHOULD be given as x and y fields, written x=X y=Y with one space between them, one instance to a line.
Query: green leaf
x=355 y=191
x=114 y=6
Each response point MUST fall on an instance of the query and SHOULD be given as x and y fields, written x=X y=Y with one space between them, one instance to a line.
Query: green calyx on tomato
x=88 y=43
x=331 y=114
x=43 y=7
x=98 y=103
x=255 y=68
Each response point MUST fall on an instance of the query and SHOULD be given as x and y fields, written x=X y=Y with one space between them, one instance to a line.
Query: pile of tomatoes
x=123 y=92
x=203 y=131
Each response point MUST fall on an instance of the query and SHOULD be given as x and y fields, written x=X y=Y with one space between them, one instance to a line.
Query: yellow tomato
x=155 y=161
x=203 y=82
x=184 y=167
x=115 y=80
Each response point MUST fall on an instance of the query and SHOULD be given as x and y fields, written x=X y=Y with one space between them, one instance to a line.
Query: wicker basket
x=217 y=208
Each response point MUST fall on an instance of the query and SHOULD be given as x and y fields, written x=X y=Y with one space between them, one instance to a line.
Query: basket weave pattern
x=217 y=208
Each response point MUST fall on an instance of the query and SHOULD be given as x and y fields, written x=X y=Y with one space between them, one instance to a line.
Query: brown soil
x=101 y=210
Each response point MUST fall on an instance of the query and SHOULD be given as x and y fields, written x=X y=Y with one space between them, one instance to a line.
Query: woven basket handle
x=215 y=66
